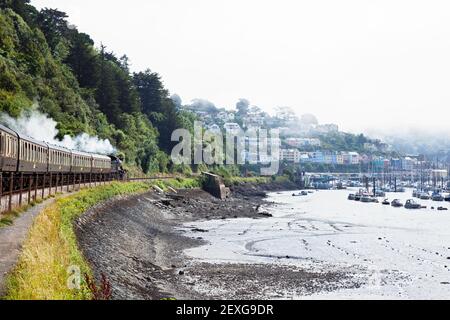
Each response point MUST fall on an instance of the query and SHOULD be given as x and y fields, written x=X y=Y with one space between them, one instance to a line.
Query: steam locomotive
x=22 y=154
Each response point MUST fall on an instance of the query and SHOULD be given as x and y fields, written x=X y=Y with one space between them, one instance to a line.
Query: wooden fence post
x=21 y=189
x=36 y=181
x=11 y=182
x=43 y=186
x=51 y=182
x=1 y=190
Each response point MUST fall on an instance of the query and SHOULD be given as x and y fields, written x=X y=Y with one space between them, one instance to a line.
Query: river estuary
x=396 y=253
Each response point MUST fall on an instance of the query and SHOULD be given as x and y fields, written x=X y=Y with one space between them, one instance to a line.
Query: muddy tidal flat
x=192 y=246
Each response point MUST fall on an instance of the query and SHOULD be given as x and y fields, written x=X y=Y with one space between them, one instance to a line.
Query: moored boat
x=386 y=202
x=411 y=204
x=424 y=196
x=397 y=203
x=351 y=196
x=437 y=197
x=380 y=193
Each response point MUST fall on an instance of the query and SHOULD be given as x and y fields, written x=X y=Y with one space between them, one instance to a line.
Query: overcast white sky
x=360 y=64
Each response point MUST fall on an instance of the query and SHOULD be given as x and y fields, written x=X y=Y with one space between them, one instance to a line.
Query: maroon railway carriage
x=59 y=159
x=8 y=149
x=33 y=155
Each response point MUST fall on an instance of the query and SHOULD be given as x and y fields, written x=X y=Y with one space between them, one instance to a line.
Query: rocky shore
x=138 y=243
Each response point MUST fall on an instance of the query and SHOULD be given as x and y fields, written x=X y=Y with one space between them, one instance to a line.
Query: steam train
x=22 y=154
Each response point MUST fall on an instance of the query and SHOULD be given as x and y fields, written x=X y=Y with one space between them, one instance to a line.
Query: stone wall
x=214 y=185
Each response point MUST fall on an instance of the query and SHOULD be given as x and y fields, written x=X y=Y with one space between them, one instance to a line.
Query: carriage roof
x=8 y=130
x=34 y=141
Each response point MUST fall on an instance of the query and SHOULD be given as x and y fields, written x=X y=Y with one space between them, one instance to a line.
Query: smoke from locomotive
x=41 y=127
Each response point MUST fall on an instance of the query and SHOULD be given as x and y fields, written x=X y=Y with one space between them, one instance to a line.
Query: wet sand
x=388 y=253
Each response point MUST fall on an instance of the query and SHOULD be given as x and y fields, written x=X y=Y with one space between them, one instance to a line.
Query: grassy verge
x=230 y=181
x=178 y=183
x=51 y=247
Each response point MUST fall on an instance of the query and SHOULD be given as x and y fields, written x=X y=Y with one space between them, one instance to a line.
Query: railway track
x=18 y=189
x=151 y=178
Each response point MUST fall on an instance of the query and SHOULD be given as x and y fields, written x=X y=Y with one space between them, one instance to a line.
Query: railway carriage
x=59 y=159
x=101 y=164
x=33 y=155
x=81 y=162
x=8 y=149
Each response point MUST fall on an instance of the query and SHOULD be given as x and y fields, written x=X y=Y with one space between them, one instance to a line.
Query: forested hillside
x=46 y=62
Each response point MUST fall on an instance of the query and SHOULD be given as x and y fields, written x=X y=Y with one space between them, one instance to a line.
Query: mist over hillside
x=410 y=140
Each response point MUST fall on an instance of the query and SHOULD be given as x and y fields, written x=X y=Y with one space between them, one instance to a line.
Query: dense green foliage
x=45 y=61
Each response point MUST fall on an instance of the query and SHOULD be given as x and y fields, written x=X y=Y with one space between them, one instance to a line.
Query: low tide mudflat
x=319 y=246
x=374 y=251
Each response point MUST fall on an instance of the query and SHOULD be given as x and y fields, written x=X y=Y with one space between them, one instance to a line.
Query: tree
x=243 y=106
x=54 y=25
x=176 y=100
x=151 y=90
x=157 y=106
x=83 y=60
x=22 y=8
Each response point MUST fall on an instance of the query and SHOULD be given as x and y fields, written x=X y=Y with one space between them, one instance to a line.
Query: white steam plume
x=43 y=128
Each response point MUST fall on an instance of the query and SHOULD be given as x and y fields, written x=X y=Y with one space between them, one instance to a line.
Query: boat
x=397 y=203
x=411 y=204
x=380 y=193
x=437 y=197
x=386 y=202
x=424 y=196
x=351 y=196
x=357 y=197
x=416 y=194
x=442 y=209
x=341 y=186
x=301 y=194
x=366 y=198
x=374 y=200
x=447 y=198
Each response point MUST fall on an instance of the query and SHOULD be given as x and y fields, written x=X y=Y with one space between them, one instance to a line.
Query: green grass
x=178 y=183
x=240 y=180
